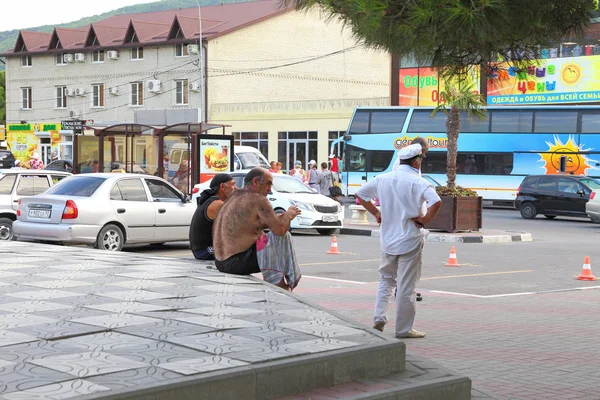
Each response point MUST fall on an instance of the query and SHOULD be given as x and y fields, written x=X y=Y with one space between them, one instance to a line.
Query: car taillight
x=518 y=191
x=19 y=208
x=592 y=195
x=195 y=190
x=71 y=211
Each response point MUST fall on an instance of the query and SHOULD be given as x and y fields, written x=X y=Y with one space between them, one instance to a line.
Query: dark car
x=7 y=159
x=554 y=195
x=60 y=165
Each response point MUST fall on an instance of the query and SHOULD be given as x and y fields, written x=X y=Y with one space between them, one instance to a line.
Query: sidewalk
x=483 y=236
x=77 y=322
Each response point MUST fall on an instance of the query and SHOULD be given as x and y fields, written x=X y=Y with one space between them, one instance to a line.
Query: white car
x=318 y=212
x=15 y=183
x=106 y=210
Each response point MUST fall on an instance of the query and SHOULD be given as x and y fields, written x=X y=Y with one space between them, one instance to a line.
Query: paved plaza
x=77 y=321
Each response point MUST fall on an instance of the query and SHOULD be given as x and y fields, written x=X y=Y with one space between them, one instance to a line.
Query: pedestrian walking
x=35 y=162
x=298 y=172
x=408 y=203
x=312 y=175
x=327 y=185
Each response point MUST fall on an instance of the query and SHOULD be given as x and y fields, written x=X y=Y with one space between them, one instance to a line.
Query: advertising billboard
x=215 y=153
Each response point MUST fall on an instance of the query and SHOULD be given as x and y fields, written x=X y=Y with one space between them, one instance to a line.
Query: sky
x=23 y=14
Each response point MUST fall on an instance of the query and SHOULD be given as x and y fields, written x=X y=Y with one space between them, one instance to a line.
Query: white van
x=245 y=158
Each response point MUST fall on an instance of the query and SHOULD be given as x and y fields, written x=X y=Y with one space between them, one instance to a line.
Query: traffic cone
x=452 y=261
x=334 y=247
x=586 y=271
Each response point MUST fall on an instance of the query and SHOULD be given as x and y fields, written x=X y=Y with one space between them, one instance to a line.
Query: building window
x=26 y=61
x=60 y=59
x=98 y=56
x=137 y=94
x=98 y=95
x=299 y=145
x=27 y=101
x=339 y=148
x=61 y=97
x=137 y=53
x=259 y=140
x=181 y=92
x=181 y=50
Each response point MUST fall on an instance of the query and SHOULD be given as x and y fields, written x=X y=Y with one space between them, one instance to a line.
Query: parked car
x=106 y=210
x=554 y=195
x=592 y=207
x=17 y=183
x=318 y=212
x=60 y=165
x=7 y=159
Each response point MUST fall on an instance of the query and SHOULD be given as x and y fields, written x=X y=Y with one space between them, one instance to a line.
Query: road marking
x=337 y=280
x=493 y=296
x=340 y=262
x=481 y=274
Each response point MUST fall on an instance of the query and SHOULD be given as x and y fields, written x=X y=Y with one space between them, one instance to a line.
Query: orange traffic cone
x=452 y=261
x=334 y=247
x=586 y=271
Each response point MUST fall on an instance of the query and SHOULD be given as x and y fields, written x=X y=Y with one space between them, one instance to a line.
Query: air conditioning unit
x=75 y=114
x=192 y=48
x=113 y=90
x=195 y=86
x=68 y=58
x=80 y=57
x=70 y=92
x=113 y=54
x=80 y=92
x=154 y=86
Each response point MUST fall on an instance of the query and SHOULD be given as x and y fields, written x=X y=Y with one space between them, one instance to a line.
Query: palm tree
x=457 y=97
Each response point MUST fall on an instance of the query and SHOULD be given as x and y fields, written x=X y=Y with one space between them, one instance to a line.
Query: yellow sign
x=432 y=142
x=546 y=81
x=22 y=141
x=2 y=133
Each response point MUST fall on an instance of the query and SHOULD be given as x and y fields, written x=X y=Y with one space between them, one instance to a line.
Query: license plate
x=39 y=213
x=330 y=218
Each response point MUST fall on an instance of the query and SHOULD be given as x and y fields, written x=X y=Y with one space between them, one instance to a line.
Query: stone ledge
x=437 y=237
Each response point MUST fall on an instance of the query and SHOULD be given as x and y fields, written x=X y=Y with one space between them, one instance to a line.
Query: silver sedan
x=106 y=210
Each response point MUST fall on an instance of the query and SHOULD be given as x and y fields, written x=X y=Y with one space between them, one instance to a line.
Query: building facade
x=286 y=81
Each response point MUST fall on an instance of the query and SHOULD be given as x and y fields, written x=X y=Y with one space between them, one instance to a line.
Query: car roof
x=33 y=171
x=116 y=175
x=563 y=175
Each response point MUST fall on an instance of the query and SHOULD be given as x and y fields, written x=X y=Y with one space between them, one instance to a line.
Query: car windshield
x=83 y=186
x=591 y=183
x=289 y=185
x=251 y=160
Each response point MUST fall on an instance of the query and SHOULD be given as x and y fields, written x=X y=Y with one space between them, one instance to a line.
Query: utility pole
x=201 y=65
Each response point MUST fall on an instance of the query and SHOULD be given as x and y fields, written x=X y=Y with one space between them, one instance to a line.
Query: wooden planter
x=458 y=214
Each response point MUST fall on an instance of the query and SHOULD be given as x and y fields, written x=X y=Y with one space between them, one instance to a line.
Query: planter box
x=458 y=214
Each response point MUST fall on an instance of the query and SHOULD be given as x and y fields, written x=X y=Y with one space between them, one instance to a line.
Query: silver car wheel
x=110 y=238
x=6 y=232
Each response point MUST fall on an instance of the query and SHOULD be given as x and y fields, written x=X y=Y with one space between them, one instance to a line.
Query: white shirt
x=403 y=195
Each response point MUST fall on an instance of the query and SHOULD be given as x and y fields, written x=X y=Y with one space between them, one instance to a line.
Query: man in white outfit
x=408 y=203
x=424 y=147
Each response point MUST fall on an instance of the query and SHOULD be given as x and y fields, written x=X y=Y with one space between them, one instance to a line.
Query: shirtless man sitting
x=240 y=245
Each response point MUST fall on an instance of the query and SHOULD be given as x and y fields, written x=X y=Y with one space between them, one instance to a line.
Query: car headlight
x=303 y=206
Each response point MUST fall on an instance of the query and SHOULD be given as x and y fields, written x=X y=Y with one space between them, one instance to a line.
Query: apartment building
x=286 y=81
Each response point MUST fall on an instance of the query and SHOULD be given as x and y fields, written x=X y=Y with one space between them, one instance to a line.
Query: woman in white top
x=298 y=172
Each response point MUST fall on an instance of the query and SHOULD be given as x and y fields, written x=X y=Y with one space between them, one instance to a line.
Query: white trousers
x=402 y=271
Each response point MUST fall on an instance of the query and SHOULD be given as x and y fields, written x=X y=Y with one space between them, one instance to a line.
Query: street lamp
x=201 y=64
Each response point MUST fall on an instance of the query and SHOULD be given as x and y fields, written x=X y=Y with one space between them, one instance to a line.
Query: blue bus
x=494 y=155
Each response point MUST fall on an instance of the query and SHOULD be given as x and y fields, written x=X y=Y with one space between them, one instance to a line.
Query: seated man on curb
x=209 y=203
x=242 y=248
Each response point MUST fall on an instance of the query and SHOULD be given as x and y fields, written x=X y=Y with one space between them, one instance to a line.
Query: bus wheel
x=528 y=210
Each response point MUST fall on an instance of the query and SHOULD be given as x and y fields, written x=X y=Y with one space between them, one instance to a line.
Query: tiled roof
x=153 y=27
x=69 y=38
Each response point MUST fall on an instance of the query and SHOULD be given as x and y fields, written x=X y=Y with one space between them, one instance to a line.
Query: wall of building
x=44 y=76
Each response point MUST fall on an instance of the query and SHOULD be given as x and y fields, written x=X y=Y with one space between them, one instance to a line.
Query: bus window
x=473 y=124
x=387 y=121
x=357 y=159
x=590 y=123
x=512 y=121
x=556 y=121
x=381 y=160
x=470 y=164
x=421 y=121
x=360 y=122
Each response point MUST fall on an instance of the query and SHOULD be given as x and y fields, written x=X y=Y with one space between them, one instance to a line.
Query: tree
x=455 y=35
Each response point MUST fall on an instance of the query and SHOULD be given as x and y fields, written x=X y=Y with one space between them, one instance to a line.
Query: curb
x=509 y=237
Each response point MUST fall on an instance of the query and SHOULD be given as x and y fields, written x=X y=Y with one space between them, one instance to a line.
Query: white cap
x=331 y=155
x=35 y=155
x=312 y=162
x=410 y=151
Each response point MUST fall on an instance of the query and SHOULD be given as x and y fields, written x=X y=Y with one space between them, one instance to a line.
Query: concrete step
x=421 y=380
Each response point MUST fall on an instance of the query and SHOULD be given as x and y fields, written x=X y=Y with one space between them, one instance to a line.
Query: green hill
x=8 y=38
